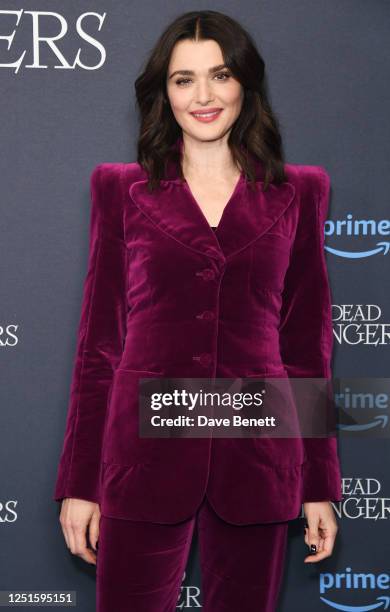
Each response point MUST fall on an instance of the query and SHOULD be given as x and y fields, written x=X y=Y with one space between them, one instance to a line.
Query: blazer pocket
x=279 y=453
x=275 y=373
x=140 y=372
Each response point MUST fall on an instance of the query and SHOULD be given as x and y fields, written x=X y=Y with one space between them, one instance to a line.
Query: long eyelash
x=226 y=74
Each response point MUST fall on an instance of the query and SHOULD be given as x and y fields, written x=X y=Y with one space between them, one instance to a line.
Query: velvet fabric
x=140 y=566
x=166 y=295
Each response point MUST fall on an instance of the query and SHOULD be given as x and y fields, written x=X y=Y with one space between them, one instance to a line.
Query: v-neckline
x=247 y=215
x=229 y=203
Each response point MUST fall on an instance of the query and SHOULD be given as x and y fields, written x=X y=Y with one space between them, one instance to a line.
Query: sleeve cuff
x=321 y=481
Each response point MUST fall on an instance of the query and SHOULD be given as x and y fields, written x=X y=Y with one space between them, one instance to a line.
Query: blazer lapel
x=247 y=215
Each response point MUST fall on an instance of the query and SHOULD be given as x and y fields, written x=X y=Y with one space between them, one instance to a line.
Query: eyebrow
x=191 y=72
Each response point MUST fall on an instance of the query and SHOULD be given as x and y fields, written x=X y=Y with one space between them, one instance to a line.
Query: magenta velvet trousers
x=140 y=565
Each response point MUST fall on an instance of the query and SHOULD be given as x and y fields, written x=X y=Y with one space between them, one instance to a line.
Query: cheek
x=179 y=100
x=232 y=97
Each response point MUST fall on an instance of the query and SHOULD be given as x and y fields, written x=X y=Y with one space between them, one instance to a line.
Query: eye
x=223 y=74
x=182 y=81
x=220 y=76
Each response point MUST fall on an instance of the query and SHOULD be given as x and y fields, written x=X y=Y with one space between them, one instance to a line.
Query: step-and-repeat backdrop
x=67 y=75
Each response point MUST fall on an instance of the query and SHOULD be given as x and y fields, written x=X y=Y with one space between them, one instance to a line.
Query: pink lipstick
x=207 y=115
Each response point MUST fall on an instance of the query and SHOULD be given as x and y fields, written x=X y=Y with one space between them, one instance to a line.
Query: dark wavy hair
x=254 y=132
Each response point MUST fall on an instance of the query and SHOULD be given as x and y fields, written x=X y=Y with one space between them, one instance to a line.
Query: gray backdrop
x=328 y=65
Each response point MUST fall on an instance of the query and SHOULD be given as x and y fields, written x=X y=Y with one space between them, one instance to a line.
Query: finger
x=321 y=542
x=328 y=545
x=313 y=537
x=81 y=549
x=306 y=538
x=94 y=529
x=315 y=558
x=72 y=542
x=66 y=525
x=329 y=542
x=90 y=556
x=321 y=545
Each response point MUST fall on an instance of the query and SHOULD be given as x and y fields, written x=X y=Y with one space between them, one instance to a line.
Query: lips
x=207 y=115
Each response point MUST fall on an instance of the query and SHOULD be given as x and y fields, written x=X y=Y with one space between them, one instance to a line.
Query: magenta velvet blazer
x=156 y=271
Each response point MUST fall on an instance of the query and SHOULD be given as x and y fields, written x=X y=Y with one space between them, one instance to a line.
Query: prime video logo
x=350 y=581
x=359 y=228
x=363 y=401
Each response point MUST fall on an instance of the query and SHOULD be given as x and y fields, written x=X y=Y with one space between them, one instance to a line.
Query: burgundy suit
x=166 y=295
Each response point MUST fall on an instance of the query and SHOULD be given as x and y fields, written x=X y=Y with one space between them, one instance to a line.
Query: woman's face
x=197 y=81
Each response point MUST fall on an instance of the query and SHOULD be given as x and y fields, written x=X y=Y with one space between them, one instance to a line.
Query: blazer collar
x=246 y=216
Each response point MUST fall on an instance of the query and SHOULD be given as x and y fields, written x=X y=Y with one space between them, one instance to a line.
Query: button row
x=207 y=315
x=205 y=359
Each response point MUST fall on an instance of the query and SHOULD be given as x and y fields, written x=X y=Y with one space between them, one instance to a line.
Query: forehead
x=198 y=56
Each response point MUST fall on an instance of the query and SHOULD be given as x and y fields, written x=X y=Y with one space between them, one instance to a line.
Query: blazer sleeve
x=100 y=338
x=306 y=331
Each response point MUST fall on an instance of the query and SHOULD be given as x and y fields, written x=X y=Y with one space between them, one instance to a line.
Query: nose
x=204 y=92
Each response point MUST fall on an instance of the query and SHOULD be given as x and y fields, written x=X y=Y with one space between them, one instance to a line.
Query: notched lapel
x=172 y=211
x=246 y=217
x=256 y=212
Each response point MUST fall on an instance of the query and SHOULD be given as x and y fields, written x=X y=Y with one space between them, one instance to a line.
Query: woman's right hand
x=78 y=516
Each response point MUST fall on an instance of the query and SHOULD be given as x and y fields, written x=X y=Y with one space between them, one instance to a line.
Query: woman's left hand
x=322 y=529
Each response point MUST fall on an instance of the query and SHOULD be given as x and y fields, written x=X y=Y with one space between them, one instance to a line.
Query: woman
x=206 y=261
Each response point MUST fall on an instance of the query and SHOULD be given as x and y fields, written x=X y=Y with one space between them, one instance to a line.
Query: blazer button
x=207 y=274
x=205 y=359
x=207 y=315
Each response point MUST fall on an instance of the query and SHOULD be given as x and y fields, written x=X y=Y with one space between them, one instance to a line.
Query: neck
x=207 y=159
